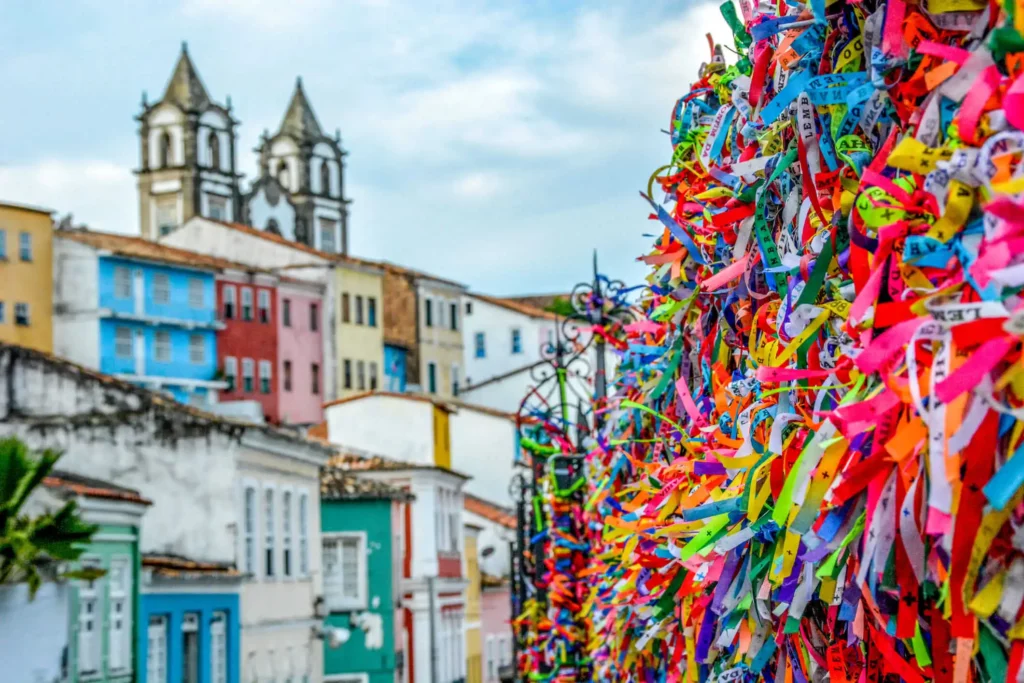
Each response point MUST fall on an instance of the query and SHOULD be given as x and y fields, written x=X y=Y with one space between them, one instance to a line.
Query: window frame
x=359 y=309
x=346 y=310
x=247 y=307
x=248 y=378
x=161 y=293
x=151 y=674
x=453 y=316
x=314 y=370
x=371 y=311
x=22 y=314
x=213 y=149
x=342 y=603
x=516 y=341
x=286 y=372
x=252 y=568
x=118 y=342
x=25 y=246
x=222 y=205
x=90 y=591
x=157 y=345
x=192 y=622
x=121 y=291
x=231 y=373
x=373 y=381
x=3 y=244
x=122 y=594
x=428 y=319
x=263 y=306
x=431 y=377
x=286 y=312
x=266 y=373
x=192 y=348
x=314 y=316
x=269 y=532
x=287 y=529
x=229 y=304
x=361 y=375
x=480 y=345
x=346 y=365
x=219 y=650
x=302 y=510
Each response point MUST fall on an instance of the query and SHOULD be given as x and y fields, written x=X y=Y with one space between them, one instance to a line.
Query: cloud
x=259 y=14
x=477 y=185
x=99 y=193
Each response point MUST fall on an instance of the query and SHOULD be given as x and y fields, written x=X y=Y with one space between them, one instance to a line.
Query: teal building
x=362 y=524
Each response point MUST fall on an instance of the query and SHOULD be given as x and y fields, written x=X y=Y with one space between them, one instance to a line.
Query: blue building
x=188 y=628
x=138 y=310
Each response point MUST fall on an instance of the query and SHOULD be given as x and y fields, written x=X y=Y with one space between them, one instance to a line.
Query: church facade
x=188 y=167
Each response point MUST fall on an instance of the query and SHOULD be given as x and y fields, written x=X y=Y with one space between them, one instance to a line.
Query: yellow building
x=26 y=276
x=474 y=642
x=360 y=327
x=440 y=336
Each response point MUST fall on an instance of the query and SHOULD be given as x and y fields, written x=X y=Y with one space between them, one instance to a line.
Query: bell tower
x=307 y=167
x=187 y=155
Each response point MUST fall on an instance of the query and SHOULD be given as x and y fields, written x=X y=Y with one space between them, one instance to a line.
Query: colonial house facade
x=26 y=276
x=138 y=310
x=247 y=347
x=186 y=154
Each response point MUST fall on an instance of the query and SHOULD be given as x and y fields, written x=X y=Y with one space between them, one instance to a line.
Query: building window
x=469 y=308
x=287 y=375
x=440 y=312
x=166 y=214
x=119 y=618
x=359 y=310
x=190 y=648
x=373 y=376
x=314 y=317
x=428 y=320
x=517 y=341
x=162 y=346
x=166 y=158
x=303 y=534
x=161 y=288
x=453 y=527
x=218 y=207
x=480 y=345
x=122 y=282
x=213 y=147
x=325 y=178
x=453 y=317
x=156 y=650
x=196 y=295
x=432 y=377
x=282 y=174
x=315 y=379
x=248 y=369
x=345 y=310
x=263 y=303
x=492 y=659
x=268 y=531
x=327 y=230
x=197 y=349
x=361 y=375
x=345 y=571
x=246 y=303
x=455 y=380
x=265 y=376
x=123 y=342
x=21 y=316
x=229 y=302
x=89 y=620
x=3 y=312
x=371 y=311
x=219 y=648
x=286 y=533
x=25 y=246
x=348 y=373
x=286 y=312
x=3 y=244
x=231 y=373
x=250 y=530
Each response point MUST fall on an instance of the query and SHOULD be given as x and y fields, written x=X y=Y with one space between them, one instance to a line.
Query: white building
x=412 y=443
x=223 y=492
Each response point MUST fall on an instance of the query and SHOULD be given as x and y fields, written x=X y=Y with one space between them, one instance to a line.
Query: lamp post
x=553 y=424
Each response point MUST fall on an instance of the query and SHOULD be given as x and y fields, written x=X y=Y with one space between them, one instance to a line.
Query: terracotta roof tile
x=367 y=462
x=489 y=510
x=516 y=306
x=76 y=484
x=176 y=566
x=341 y=484
x=136 y=247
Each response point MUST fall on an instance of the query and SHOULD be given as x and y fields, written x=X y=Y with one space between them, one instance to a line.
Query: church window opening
x=213 y=144
x=325 y=178
x=282 y=174
x=165 y=150
x=218 y=208
x=327 y=230
x=166 y=214
x=272 y=227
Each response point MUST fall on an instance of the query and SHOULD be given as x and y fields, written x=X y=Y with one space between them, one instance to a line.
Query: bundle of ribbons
x=816 y=455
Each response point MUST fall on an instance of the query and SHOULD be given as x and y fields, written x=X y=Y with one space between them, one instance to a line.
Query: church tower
x=300 y=193
x=187 y=152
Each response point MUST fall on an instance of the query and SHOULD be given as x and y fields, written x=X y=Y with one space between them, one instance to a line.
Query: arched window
x=272 y=227
x=325 y=178
x=282 y=174
x=213 y=145
x=165 y=149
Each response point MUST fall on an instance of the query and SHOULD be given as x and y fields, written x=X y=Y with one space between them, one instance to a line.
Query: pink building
x=495 y=630
x=300 y=351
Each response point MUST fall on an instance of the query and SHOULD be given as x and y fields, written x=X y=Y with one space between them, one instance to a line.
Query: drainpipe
x=433 y=633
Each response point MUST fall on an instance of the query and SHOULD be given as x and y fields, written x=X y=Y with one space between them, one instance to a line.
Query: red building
x=247 y=346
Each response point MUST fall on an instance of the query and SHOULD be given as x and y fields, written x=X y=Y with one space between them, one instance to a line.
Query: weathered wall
x=33 y=635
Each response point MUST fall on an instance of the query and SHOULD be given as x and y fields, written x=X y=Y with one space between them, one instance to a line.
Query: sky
x=497 y=144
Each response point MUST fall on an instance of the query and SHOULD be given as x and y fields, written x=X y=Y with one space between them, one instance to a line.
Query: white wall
x=190 y=478
x=483 y=446
x=76 y=334
x=285 y=151
x=166 y=118
x=33 y=635
x=492 y=535
x=261 y=211
x=395 y=427
x=322 y=151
